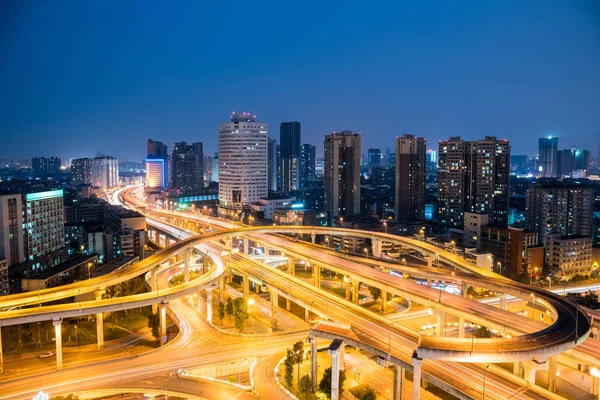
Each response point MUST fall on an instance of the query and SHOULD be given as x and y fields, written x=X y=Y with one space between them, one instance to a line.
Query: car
x=295 y=239
x=48 y=354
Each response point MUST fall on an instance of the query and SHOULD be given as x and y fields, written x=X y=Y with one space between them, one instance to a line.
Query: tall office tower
x=582 y=160
x=410 y=178
x=307 y=165
x=474 y=177
x=342 y=174
x=557 y=208
x=373 y=159
x=46 y=166
x=289 y=142
x=431 y=160
x=565 y=162
x=157 y=149
x=547 y=165
x=215 y=168
x=105 y=172
x=272 y=165
x=278 y=167
x=157 y=166
x=187 y=163
x=242 y=161
x=11 y=229
x=43 y=222
x=208 y=171
x=81 y=171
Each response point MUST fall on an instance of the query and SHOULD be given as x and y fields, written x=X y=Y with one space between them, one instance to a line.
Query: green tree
x=375 y=292
x=305 y=384
x=483 y=332
x=325 y=384
x=221 y=311
x=289 y=369
x=229 y=307
x=368 y=394
x=154 y=325
x=298 y=350
x=240 y=313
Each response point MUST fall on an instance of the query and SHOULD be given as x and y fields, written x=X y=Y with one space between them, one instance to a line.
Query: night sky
x=81 y=78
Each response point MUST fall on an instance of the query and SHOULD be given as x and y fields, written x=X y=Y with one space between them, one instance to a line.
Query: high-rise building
x=373 y=159
x=157 y=165
x=187 y=167
x=548 y=161
x=242 y=161
x=474 y=177
x=342 y=174
x=582 y=160
x=558 y=208
x=46 y=166
x=272 y=164
x=307 y=165
x=431 y=160
x=81 y=171
x=215 y=167
x=565 y=163
x=12 y=248
x=410 y=178
x=208 y=171
x=289 y=144
x=518 y=163
x=43 y=223
x=105 y=172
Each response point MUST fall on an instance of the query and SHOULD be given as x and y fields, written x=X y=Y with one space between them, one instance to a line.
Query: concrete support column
x=595 y=389
x=222 y=289
x=398 y=383
x=186 y=270
x=246 y=245
x=245 y=285
x=441 y=323
x=154 y=286
x=313 y=236
x=291 y=265
x=429 y=282
x=205 y=266
x=416 y=362
x=163 y=321
x=317 y=276
x=429 y=261
x=552 y=377
x=461 y=327
x=274 y=307
x=347 y=289
x=267 y=253
x=518 y=369
x=383 y=301
x=306 y=315
x=1 y=354
x=530 y=370
x=503 y=301
x=377 y=245
x=465 y=290
x=355 y=291
x=100 y=321
x=209 y=306
x=58 y=339
x=313 y=362
x=334 y=350
x=287 y=304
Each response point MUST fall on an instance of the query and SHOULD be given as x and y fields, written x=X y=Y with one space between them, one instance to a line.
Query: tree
x=305 y=384
x=375 y=292
x=483 y=332
x=229 y=307
x=289 y=368
x=368 y=394
x=298 y=350
x=221 y=311
x=154 y=324
x=240 y=313
x=325 y=384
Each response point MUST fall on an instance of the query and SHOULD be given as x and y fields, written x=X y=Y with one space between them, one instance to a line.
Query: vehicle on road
x=47 y=354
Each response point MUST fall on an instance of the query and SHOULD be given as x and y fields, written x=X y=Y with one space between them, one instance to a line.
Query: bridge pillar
x=429 y=260
x=503 y=301
x=154 y=286
x=245 y=285
x=347 y=281
x=552 y=377
x=100 y=320
x=209 y=306
x=461 y=327
x=1 y=354
x=246 y=245
x=58 y=340
x=313 y=236
x=291 y=265
x=313 y=361
x=221 y=289
x=163 y=321
x=531 y=368
x=267 y=253
x=398 y=383
x=355 y=291
x=287 y=304
x=383 y=301
x=465 y=290
x=317 y=276
x=441 y=323
x=306 y=315
x=335 y=349
x=205 y=266
x=429 y=282
x=377 y=246
x=274 y=307
x=416 y=362
x=518 y=369
x=595 y=389
x=186 y=271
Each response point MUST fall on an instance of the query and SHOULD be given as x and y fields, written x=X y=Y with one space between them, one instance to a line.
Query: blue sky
x=87 y=77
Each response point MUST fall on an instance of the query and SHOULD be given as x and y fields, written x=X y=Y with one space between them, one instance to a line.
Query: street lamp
x=484 y=371
x=367 y=252
x=472 y=337
x=76 y=338
x=533 y=306
x=453 y=243
x=404 y=261
x=385 y=227
x=89 y=270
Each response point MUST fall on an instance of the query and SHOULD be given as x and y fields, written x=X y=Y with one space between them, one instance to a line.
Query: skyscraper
x=12 y=248
x=289 y=142
x=342 y=174
x=373 y=159
x=307 y=165
x=582 y=160
x=474 y=177
x=81 y=171
x=105 y=172
x=46 y=166
x=565 y=162
x=273 y=165
x=243 y=161
x=410 y=178
x=548 y=163
x=157 y=149
x=157 y=165
x=187 y=163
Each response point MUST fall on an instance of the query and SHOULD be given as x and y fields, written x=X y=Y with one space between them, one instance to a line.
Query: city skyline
x=459 y=75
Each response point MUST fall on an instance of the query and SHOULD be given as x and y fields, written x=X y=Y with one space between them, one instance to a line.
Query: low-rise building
x=77 y=268
x=568 y=255
x=508 y=247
